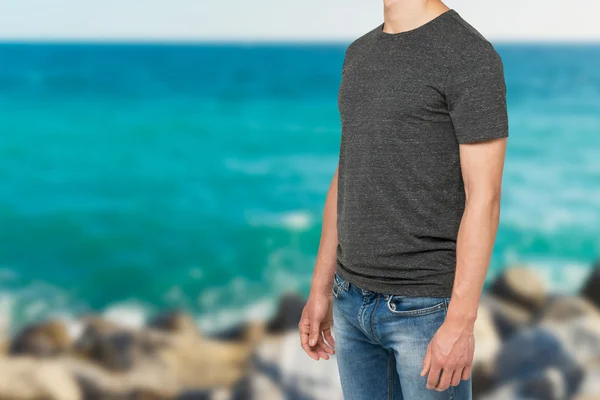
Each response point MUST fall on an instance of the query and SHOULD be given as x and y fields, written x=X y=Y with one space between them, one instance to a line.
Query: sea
x=136 y=178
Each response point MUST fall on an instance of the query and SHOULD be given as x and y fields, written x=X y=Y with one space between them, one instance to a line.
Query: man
x=412 y=212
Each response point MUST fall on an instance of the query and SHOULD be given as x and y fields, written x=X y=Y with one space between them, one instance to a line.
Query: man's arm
x=322 y=281
x=452 y=347
x=316 y=321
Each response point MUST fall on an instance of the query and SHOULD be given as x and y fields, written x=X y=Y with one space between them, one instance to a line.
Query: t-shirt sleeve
x=476 y=96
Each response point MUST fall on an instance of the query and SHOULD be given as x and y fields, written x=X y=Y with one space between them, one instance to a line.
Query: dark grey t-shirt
x=406 y=102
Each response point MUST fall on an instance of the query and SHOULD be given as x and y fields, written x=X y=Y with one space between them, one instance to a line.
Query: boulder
x=508 y=317
x=112 y=350
x=544 y=385
x=29 y=378
x=487 y=347
x=176 y=321
x=565 y=308
x=161 y=361
x=580 y=338
x=116 y=348
x=45 y=339
x=4 y=326
x=486 y=336
x=521 y=286
x=288 y=314
x=147 y=395
x=547 y=385
x=148 y=379
x=205 y=395
x=283 y=371
x=233 y=334
x=590 y=386
x=223 y=363
x=534 y=353
x=591 y=288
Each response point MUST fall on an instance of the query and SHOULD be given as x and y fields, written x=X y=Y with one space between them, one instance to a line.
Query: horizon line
x=259 y=42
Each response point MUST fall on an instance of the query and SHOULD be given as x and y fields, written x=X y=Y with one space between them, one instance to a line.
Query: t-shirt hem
x=394 y=288
x=481 y=138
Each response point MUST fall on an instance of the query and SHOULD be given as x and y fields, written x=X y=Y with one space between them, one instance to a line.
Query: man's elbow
x=484 y=196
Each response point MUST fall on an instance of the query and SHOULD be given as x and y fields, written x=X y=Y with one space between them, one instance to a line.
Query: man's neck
x=405 y=15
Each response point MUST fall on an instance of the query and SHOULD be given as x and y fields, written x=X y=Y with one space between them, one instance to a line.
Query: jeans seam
x=361 y=312
x=391 y=370
x=372 y=322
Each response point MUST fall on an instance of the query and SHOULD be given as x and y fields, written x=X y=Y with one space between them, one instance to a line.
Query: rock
x=164 y=360
x=580 y=337
x=530 y=354
x=112 y=350
x=146 y=395
x=487 y=347
x=201 y=395
x=116 y=348
x=28 y=378
x=174 y=322
x=42 y=340
x=482 y=382
x=283 y=371
x=591 y=288
x=521 y=286
x=564 y=308
x=254 y=333
x=508 y=317
x=98 y=323
x=223 y=363
x=149 y=378
x=506 y=391
x=590 y=386
x=486 y=336
x=544 y=385
x=288 y=314
x=4 y=325
x=235 y=333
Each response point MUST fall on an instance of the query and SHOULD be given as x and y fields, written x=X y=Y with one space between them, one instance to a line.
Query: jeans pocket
x=415 y=306
x=339 y=284
x=335 y=290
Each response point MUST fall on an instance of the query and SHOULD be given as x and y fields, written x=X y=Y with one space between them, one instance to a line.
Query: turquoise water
x=139 y=177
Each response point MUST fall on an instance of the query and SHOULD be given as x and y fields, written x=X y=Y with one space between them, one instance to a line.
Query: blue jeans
x=380 y=343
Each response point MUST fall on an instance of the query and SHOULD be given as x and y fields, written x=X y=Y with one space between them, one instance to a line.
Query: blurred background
x=163 y=169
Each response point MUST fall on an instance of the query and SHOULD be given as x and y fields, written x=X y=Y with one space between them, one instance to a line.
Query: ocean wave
x=293 y=220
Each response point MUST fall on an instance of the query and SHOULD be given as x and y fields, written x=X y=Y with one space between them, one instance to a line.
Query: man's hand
x=449 y=356
x=315 y=327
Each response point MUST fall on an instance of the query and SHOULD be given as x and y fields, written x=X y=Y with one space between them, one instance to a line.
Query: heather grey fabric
x=406 y=102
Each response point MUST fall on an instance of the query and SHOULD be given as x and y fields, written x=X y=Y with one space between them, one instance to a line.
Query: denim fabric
x=381 y=341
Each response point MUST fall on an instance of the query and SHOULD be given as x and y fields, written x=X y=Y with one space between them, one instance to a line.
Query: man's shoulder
x=462 y=39
x=362 y=42
x=463 y=47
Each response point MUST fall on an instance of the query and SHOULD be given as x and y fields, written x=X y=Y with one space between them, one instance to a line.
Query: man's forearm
x=322 y=280
x=475 y=243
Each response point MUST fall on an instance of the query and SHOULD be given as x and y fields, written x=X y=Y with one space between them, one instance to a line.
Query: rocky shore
x=530 y=344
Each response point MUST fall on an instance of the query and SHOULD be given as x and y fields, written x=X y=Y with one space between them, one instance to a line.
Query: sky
x=279 y=20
